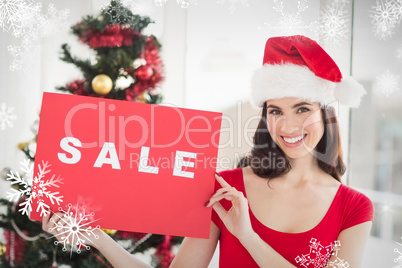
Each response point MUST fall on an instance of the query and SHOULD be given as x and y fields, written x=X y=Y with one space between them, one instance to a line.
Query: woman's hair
x=268 y=160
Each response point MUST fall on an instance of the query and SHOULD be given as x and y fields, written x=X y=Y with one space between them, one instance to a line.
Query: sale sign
x=136 y=167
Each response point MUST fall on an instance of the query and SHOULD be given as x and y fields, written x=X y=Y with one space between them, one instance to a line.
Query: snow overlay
x=291 y=23
x=27 y=23
x=16 y=14
x=233 y=4
x=398 y=260
x=7 y=116
x=398 y=53
x=386 y=17
x=320 y=255
x=74 y=230
x=34 y=188
x=334 y=22
x=386 y=84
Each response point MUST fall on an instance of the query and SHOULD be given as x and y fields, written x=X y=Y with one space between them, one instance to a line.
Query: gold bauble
x=102 y=84
x=142 y=97
x=3 y=250
x=110 y=232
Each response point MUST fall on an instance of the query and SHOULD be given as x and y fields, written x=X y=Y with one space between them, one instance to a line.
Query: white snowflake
x=34 y=188
x=74 y=230
x=386 y=16
x=117 y=12
x=23 y=54
x=398 y=10
x=37 y=26
x=6 y=116
x=16 y=14
x=181 y=3
x=386 y=83
x=319 y=256
x=398 y=53
x=140 y=7
x=398 y=260
x=291 y=23
x=233 y=3
x=334 y=22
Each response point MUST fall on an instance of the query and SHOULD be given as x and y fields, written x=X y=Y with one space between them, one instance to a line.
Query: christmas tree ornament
x=2 y=250
x=123 y=82
x=110 y=232
x=102 y=84
x=139 y=62
x=142 y=97
x=144 y=72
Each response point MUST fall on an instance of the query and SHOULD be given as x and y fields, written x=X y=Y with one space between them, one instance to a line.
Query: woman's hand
x=237 y=218
x=68 y=232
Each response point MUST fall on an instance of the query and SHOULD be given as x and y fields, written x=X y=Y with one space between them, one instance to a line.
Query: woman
x=286 y=206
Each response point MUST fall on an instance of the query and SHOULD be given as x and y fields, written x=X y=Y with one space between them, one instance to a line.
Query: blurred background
x=210 y=49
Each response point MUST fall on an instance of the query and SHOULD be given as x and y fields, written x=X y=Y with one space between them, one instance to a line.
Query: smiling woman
x=285 y=205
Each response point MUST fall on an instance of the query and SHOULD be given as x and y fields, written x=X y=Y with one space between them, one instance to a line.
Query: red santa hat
x=296 y=66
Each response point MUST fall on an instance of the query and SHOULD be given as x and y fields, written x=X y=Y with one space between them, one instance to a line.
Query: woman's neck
x=303 y=170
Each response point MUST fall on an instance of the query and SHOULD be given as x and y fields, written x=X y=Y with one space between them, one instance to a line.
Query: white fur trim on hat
x=349 y=92
x=290 y=80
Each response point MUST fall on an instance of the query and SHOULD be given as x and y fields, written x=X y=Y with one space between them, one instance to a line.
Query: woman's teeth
x=293 y=140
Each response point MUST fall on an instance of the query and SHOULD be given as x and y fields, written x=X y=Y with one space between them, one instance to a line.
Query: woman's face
x=295 y=125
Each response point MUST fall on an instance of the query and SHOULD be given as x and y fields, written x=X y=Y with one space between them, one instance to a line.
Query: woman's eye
x=303 y=110
x=274 y=112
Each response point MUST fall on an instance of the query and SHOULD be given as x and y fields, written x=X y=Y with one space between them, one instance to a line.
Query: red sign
x=137 y=167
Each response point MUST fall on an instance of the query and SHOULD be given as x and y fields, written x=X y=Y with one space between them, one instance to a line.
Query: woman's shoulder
x=353 y=195
x=356 y=206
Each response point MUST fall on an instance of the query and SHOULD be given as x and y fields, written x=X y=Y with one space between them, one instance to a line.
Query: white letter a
x=108 y=147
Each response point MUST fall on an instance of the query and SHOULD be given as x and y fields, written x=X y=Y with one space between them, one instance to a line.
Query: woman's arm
x=113 y=252
x=352 y=244
x=197 y=252
x=194 y=252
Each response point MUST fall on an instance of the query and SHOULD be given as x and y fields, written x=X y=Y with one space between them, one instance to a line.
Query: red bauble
x=144 y=72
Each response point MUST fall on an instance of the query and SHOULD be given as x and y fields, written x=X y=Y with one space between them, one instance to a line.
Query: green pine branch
x=84 y=65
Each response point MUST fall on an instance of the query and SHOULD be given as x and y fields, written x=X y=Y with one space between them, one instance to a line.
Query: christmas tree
x=127 y=66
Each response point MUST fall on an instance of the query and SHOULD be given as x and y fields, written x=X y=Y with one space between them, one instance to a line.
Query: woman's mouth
x=294 y=141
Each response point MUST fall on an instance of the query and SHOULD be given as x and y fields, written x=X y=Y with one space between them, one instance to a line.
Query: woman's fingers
x=229 y=193
x=221 y=181
x=45 y=221
x=219 y=209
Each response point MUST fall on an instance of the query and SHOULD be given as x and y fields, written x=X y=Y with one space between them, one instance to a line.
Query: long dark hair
x=268 y=160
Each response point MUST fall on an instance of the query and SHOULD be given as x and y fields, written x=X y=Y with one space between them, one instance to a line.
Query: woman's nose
x=289 y=124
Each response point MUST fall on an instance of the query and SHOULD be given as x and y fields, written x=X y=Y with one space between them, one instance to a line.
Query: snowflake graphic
x=386 y=83
x=37 y=26
x=118 y=14
x=141 y=7
x=34 y=188
x=233 y=3
x=319 y=256
x=16 y=14
x=6 y=116
x=398 y=260
x=397 y=7
x=74 y=228
x=398 y=53
x=386 y=16
x=181 y=3
x=334 y=22
x=291 y=23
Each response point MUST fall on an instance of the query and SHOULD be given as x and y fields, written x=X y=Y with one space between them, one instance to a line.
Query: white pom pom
x=349 y=92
